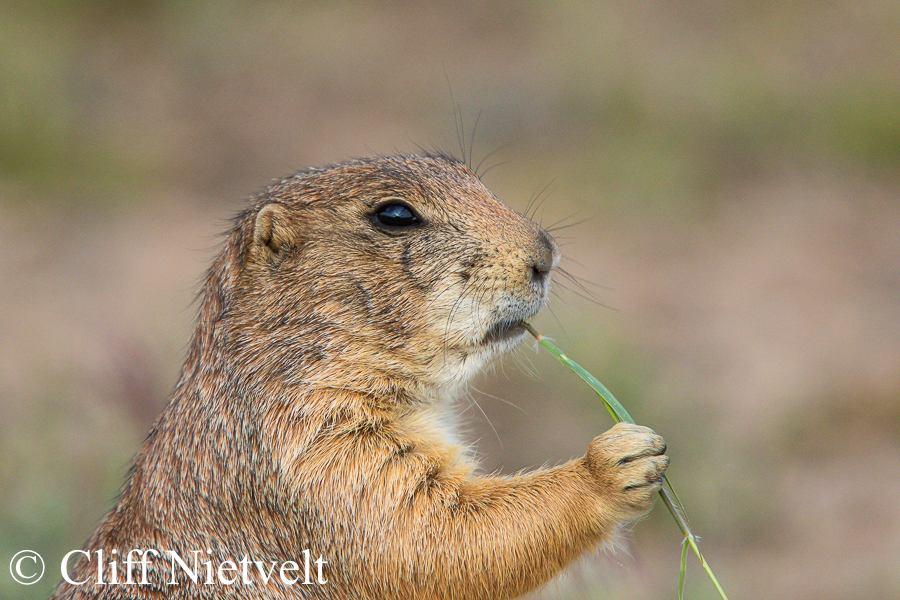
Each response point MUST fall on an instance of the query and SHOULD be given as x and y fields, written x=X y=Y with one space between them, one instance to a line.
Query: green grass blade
x=613 y=406
x=618 y=413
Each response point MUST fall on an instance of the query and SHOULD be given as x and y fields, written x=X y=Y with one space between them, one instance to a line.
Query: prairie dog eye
x=396 y=216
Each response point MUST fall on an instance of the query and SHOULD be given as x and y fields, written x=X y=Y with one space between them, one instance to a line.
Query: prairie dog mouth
x=503 y=331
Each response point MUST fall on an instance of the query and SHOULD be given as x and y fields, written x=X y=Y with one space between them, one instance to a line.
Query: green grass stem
x=667 y=492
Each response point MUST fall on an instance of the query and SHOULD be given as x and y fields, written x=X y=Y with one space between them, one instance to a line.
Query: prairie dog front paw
x=628 y=462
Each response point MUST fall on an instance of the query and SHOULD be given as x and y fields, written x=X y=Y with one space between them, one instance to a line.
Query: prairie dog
x=348 y=305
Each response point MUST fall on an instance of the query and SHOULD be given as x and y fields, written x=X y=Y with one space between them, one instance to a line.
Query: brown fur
x=311 y=412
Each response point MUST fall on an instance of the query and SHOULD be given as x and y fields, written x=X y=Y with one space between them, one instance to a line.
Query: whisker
x=474 y=402
x=483 y=160
x=586 y=295
x=584 y=280
x=456 y=304
x=560 y=226
x=524 y=363
x=491 y=168
x=472 y=140
x=580 y=282
x=562 y=329
x=498 y=398
x=458 y=124
x=537 y=197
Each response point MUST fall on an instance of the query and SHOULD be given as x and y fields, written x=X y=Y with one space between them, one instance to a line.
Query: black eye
x=396 y=215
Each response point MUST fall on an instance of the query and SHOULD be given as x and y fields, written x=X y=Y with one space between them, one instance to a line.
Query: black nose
x=545 y=258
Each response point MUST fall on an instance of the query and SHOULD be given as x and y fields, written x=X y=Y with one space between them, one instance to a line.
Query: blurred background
x=729 y=174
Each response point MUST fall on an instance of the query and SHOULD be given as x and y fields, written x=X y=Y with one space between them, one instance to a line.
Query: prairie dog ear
x=270 y=231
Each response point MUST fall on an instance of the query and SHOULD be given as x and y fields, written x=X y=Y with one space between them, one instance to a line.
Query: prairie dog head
x=404 y=273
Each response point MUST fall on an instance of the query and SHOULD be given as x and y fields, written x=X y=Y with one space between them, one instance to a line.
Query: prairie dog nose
x=547 y=256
